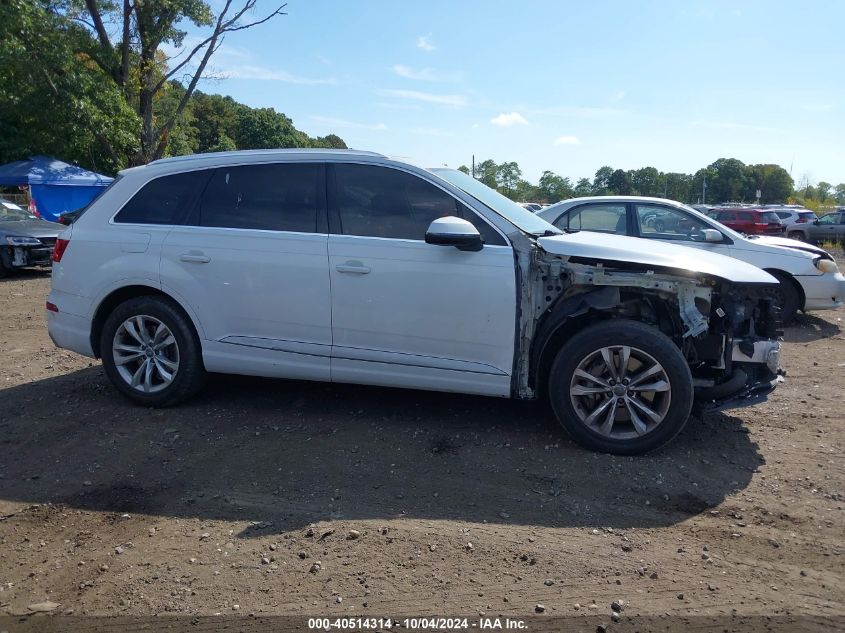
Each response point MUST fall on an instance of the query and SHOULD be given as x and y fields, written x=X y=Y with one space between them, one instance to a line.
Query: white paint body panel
x=421 y=308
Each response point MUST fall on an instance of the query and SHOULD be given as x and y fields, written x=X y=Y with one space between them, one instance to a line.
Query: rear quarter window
x=164 y=200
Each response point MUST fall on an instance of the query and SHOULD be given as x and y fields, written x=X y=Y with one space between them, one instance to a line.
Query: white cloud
x=567 y=140
x=424 y=42
x=424 y=74
x=457 y=101
x=507 y=119
x=267 y=74
x=343 y=123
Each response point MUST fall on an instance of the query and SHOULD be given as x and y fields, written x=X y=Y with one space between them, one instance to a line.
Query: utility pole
x=473 y=165
x=704 y=189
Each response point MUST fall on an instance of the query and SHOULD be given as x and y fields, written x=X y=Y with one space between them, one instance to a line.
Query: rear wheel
x=796 y=235
x=621 y=387
x=151 y=353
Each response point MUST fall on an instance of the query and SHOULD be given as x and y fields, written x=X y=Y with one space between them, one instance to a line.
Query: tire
x=152 y=335
x=671 y=401
x=785 y=295
x=796 y=235
x=3 y=270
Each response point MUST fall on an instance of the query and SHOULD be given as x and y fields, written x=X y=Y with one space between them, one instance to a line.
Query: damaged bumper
x=24 y=256
x=755 y=375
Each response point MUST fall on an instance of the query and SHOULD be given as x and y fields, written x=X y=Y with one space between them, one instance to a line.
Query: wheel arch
x=782 y=275
x=124 y=293
x=571 y=315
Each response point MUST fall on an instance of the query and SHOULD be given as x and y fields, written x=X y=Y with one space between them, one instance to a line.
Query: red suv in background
x=750 y=221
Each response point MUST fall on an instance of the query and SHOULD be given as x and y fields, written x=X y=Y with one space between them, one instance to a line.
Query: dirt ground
x=279 y=497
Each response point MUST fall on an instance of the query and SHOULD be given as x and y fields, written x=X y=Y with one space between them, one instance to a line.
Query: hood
x=653 y=254
x=31 y=228
x=785 y=242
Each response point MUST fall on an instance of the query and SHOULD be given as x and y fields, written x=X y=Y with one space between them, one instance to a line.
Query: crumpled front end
x=727 y=331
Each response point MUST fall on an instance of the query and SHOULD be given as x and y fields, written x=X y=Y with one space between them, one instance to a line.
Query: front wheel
x=796 y=235
x=151 y=353
x=621 y=387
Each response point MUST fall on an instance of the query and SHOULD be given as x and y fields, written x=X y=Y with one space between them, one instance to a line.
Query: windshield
x=13 y=212
x=520 y=217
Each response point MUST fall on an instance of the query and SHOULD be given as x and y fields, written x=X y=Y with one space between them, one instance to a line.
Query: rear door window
x=600 y=218
x=165 y=200
x=274 y=197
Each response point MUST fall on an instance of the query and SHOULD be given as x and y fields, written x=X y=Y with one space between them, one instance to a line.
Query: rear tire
x=605 y=408
x=796 y=235
x=151 y=352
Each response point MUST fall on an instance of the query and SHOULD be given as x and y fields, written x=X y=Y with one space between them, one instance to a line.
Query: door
x=665 y=223
x=829 y=228
x=406 y=313
x=252 y=262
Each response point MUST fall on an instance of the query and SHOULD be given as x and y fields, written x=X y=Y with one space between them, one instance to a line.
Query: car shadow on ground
x=22 y=274
x=807 y=328
x=284 y=454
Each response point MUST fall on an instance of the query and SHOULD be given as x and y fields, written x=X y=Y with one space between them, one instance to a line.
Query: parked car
x=25 y=240
x=532 y=206
x=350 y=267
x=828 y=228
x=69 y=217
x=751 y=221
x=792 y=215
x=808 y=275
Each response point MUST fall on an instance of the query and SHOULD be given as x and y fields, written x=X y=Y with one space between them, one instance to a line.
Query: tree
x=601 y=180
x=619 y=183
x=644 y=181
x=730 y=180
x=53 y=99
x=464 y=169
x=507 y=175
x=583 y=188
x=553 y=188
x=132 y=60
x=487 y=172
x=839 y=193
x=773 y=181
x=823 y=191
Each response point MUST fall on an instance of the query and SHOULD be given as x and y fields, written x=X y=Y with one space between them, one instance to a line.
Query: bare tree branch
x=102 y=34
x=227 y=26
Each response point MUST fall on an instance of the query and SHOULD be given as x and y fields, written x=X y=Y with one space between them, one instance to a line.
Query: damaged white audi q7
x=351 y=267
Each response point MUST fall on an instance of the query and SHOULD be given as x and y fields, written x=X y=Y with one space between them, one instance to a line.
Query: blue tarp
x=55 y=186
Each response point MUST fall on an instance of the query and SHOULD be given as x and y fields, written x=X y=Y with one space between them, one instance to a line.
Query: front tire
x=785 y=295
x=151 y=352
x=796 y=235
x=621 y=387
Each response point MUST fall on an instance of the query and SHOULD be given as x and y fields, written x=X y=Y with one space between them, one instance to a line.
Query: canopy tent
x=55 y=186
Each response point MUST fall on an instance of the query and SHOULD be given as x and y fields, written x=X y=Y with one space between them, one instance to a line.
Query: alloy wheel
x=145 y=353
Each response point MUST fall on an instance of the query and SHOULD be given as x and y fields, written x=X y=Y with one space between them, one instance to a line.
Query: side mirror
x=452 y=231
x=712 y=235
x=816 y=222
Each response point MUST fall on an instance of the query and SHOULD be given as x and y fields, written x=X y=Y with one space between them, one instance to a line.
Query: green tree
x=464 y=169
x=53 y=97
x=487 y=172
x=553 y=188
x=133 y=61
x=730 y=180
x=773 y=181
x=839 y=193
x=583 y=188
x=644 y=181
x=601 y=181
x=619 y=183
x=507 y=175
x=823 y=191
x=264 y=128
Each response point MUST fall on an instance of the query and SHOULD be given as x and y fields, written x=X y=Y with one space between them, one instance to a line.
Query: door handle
x=194 y=257
x=354 y=268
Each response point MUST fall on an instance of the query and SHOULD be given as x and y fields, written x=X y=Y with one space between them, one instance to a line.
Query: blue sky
x=565 y=86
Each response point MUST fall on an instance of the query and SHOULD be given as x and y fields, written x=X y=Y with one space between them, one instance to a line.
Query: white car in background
x=808 y=275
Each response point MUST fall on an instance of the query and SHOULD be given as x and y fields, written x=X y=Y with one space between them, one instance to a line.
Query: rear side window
x=165 y=200
x=745 y=216
x=768 y=216
x=602 y=218
x=276 y=197
x=375 y=201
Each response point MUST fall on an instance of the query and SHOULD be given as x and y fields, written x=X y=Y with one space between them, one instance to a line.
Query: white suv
x=350 y=267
